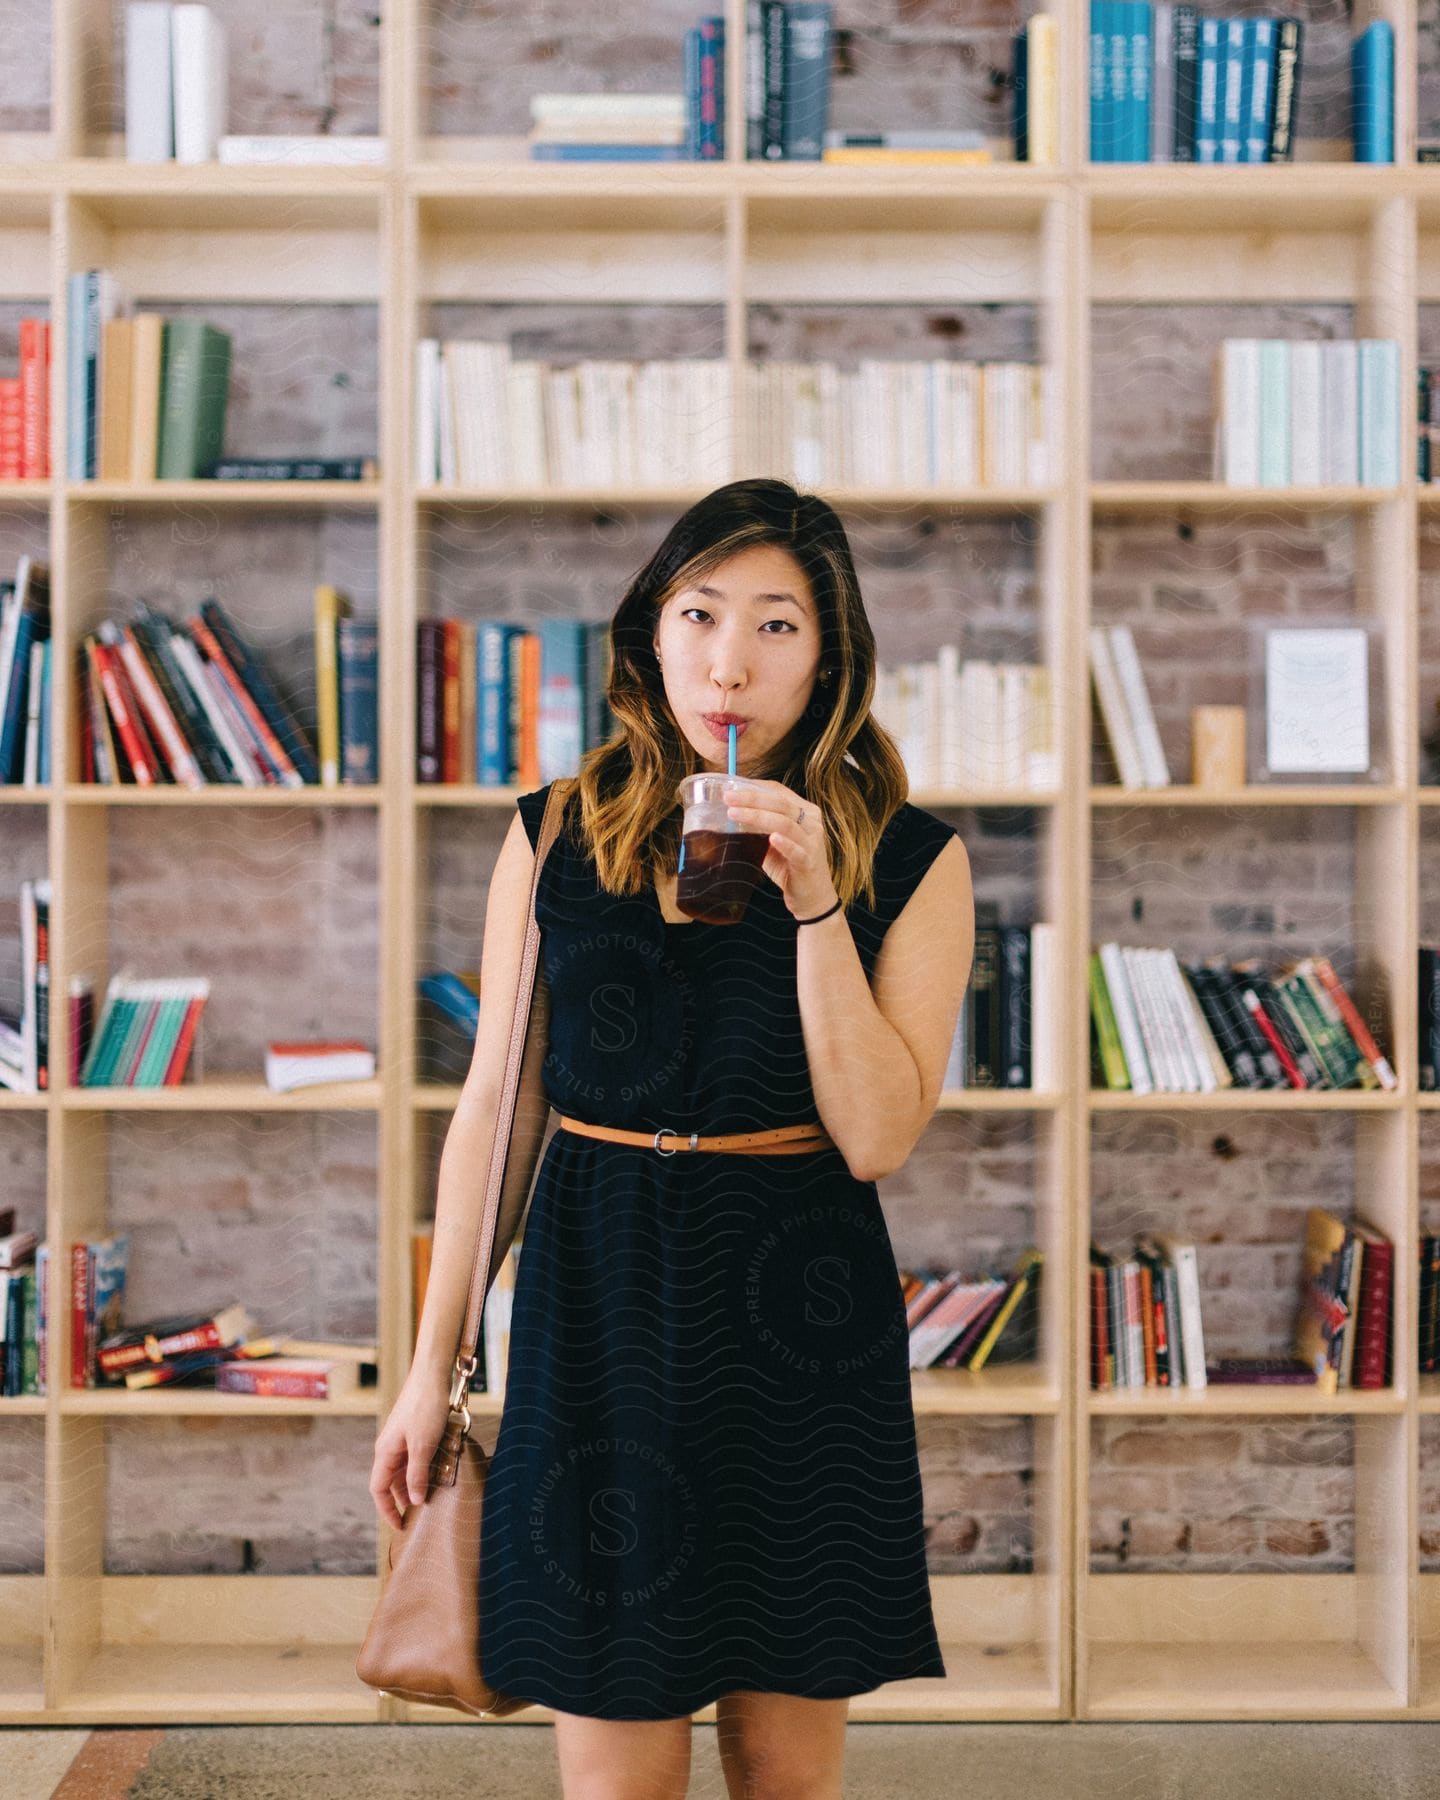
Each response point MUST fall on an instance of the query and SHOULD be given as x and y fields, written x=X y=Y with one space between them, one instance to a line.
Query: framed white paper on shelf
x=1316 y=700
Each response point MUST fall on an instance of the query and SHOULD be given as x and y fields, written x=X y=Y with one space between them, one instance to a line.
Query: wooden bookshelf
x=447 y=219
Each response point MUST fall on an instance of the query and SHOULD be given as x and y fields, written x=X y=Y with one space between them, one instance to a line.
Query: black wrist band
x=819 y=916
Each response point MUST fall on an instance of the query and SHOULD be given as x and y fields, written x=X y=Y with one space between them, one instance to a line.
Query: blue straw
x=732 y=749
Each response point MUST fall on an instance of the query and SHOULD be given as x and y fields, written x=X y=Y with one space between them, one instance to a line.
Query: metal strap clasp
x=667 y=1131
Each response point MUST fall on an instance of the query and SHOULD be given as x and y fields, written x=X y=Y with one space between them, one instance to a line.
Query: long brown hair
x=839 y=756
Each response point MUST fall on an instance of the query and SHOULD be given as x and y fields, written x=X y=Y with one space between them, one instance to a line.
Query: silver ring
x=669 y=1131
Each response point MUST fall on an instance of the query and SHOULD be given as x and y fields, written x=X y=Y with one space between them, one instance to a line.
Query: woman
x=705 y=1485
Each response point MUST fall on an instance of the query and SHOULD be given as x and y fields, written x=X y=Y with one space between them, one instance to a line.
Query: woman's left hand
x=798 y=859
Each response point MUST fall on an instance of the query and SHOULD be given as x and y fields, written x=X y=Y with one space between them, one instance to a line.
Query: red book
x=110 y=679
x=1273 y=1037
x=35 y=398
x=1356 y=1026
x=181 y=1054
x=1368 y=1366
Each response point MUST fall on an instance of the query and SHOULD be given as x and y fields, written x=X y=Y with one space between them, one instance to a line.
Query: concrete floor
x=1290 y=1761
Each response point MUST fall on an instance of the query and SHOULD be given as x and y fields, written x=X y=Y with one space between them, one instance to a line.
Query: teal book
x=1379 y=402
x=1274 y=412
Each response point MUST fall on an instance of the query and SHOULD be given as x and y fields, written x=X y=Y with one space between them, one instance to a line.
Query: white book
x=314 y=149
x=1118 y=726
x=149 y=106
x=31 y=773
x=1186 y=1022
x=1307 y=423
x=968 y=389
x=198 y=53
x=1215 y=1072
x=10 y=627
x=1042 y=773
x=1151 y=1020
x=1340 y=380
x=1015 y=727
x=526 y=418
x=427 y=413
x=1240 y=412
x=947 y=760
x=928 y=690
x=445 y=410
x=194 y=671
x=1162 y=85
x=912 y=414
x=545 y=107
x=1039 y=464
x=1137 y=706
x=1127 y=1022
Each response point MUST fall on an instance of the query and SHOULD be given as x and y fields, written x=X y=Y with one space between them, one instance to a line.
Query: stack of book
x=311 y=1062
x=176 y=68
x=1160 y=1025
x=146 y=1031
x=609 y=127
x=25 y=1034
x=1146 y=1328
x=191 y=705
x=1124 y=706
x=1005 y=1036
x=22 y=1308
x=1169 y=83
x=788 y=52
x=499 y=702
x=25 y=408
x=893 y=422
x=1303 y=414
x=973 y=725
x=486 y=419
x=25 y=675
x=147 y=395
x=956 y=1322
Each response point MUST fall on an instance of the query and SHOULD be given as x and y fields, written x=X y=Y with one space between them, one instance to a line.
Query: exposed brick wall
x=280 y=1212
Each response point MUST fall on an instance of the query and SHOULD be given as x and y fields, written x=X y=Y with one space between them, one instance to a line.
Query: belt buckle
x=669 y=1131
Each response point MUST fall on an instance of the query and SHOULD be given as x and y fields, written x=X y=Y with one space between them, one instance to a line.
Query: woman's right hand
x=407 y=1443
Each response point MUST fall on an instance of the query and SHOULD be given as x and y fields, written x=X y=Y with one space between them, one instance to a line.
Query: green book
x=195 y=377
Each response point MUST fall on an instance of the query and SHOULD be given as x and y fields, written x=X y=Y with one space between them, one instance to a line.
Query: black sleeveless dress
x=705 y=1476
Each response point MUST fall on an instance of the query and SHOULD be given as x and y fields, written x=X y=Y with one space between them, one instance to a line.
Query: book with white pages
x=1127 y=1021
x=1137 y=700
x=1121 y=732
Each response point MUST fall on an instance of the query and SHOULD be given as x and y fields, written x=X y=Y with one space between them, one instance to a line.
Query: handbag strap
x=465 y=1361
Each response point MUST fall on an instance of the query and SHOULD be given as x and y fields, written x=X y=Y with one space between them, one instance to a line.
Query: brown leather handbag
x=423 y=1640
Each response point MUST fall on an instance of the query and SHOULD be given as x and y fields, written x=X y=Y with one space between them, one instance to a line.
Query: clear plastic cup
x=720 y=863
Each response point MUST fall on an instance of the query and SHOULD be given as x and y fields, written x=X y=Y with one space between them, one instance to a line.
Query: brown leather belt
x=782 y=1140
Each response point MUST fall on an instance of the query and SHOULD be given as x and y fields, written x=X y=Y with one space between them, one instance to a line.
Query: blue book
x=1117 y=79
x=450 y=994
x=494 y=766
x=1372 y=93
x=1140 y=32
x=710 y=71
x=806 y=82
x=358 y=654
x=1232 y=77
x=607 y=153
x=77 y=372
x=1379 y=411
x=1101 y=111
x=560 y=727
x=1258 y=103
x=1207 y=105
